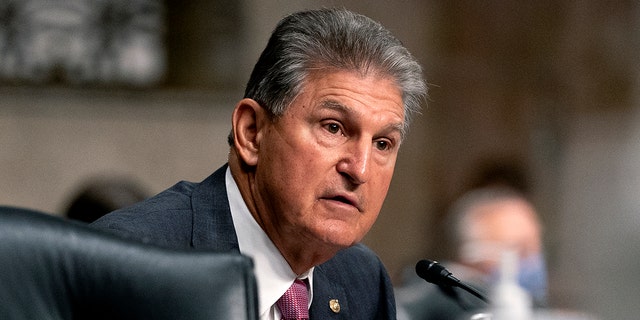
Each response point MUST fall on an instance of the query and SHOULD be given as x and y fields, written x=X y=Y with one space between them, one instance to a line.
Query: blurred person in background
x=480 y=226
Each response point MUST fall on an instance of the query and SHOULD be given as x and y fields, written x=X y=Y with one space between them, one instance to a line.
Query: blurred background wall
x=550 y=87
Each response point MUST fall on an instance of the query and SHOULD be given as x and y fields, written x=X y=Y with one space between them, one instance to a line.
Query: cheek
x=376 y=195
x=287 y=180
x=378 y=191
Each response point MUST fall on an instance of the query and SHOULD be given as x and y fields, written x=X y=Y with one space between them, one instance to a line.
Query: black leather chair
x=52 y=268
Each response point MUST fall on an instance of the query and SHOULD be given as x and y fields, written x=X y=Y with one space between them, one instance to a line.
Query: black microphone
x=433 y=272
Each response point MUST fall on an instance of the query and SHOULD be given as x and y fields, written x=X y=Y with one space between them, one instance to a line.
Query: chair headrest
x=56 y=268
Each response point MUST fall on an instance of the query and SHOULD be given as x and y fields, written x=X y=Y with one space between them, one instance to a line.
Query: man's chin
x=337 y=234
x=339 y=241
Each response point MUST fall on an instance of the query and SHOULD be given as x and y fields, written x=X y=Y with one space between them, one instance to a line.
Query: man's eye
x=333 y=127
x=383 y=145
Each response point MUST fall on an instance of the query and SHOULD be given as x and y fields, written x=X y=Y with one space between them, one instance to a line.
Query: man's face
x=325 y=166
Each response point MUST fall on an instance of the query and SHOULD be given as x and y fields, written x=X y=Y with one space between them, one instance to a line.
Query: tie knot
x=294 y=302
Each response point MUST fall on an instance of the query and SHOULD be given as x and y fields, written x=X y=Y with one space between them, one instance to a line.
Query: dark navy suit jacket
x=197 y=215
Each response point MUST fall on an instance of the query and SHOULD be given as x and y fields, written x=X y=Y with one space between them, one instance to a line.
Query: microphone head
x=433 y=272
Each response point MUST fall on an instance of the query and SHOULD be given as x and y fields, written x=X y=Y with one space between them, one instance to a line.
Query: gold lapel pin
x=334 y=305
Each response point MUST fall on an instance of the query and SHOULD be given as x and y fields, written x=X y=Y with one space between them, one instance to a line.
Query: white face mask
x=532 y=269
x=532 y=277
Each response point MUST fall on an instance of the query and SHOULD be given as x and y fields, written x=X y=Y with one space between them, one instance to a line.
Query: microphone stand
x=433 y=272
x=473 y=291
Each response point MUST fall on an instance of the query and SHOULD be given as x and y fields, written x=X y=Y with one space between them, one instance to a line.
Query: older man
x=313 y=148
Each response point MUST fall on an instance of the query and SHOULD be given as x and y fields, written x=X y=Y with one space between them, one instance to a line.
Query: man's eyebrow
x=398 y=127
x=337 y=106
x=334 y=105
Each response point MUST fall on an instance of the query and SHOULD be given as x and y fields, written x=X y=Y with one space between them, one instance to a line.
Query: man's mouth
x=346 y=199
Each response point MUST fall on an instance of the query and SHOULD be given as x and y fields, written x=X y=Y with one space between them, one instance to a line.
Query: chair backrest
x=52 y=268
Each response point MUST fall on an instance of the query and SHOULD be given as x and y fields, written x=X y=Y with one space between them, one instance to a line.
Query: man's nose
x=356 y=161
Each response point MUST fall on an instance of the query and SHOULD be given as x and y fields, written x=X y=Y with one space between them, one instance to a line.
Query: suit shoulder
x=178 y=197
x=167 y=213
x=358 y=259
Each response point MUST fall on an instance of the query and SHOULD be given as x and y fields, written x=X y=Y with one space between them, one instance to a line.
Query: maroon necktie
x=294 y=302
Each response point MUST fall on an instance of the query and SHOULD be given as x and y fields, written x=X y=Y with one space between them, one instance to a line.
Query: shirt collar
x=273 y=274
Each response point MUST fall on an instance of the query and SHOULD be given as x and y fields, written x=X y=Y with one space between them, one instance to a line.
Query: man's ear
x=247 y=120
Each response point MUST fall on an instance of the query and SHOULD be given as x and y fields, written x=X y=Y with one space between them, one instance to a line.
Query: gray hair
x=331 y=38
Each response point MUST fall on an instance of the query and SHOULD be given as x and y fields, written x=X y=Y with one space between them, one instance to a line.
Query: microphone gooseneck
x=435 y=273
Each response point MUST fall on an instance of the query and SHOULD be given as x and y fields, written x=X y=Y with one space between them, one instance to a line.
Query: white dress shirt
x=273 y=274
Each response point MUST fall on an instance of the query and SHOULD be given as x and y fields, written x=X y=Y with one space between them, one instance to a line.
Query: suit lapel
x=212 y=223
x=326 y=293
